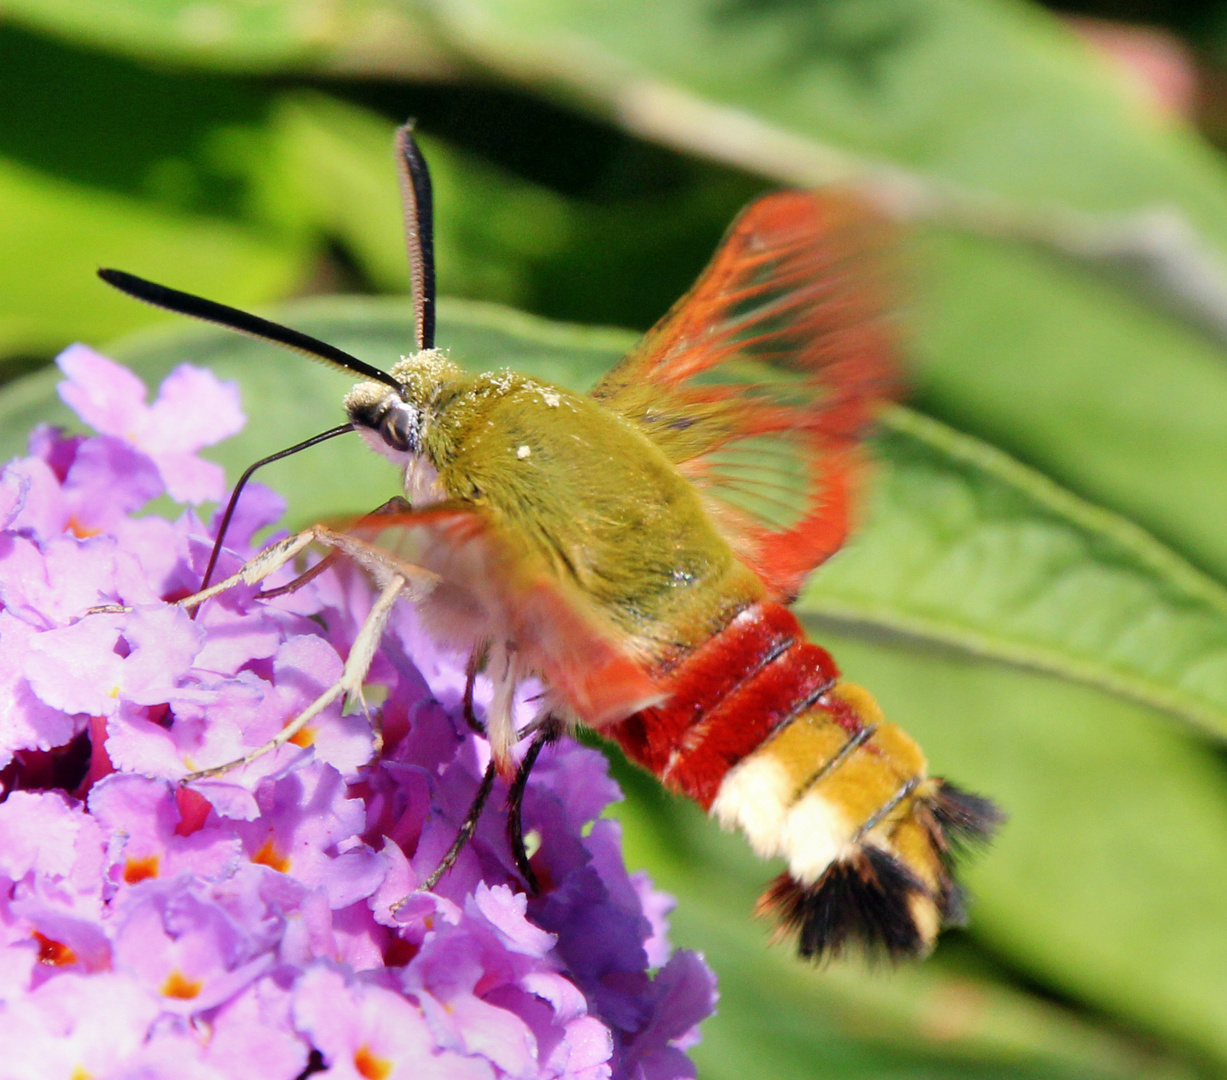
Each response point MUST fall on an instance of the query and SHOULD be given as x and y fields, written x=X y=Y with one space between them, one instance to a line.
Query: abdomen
x=761 y=732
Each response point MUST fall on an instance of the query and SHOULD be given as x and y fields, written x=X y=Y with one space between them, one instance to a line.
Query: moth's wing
x=489 y=585
x=761 y=381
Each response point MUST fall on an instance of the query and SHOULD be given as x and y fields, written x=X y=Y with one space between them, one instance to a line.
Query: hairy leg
x=349 y=684
x=515 y=805
x=467 y=828
x=396 y=577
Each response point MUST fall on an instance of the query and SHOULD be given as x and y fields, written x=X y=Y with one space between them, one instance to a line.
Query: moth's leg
x=396 y=576
x=302 y=579
x=466 y=830
x=515 y=802
x=275 y=556
x=487 y=781
x=350 y=683
x=506 y=670
x=395 y=505
x=547 y=732
x=269 y=561
x=470 y=677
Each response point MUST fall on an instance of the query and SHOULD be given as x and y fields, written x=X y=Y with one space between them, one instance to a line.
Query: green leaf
x=1118 y=401
x=110 y=180
x=971 y=104
x=358 y=35
x=965 y=546
x=1117 y=816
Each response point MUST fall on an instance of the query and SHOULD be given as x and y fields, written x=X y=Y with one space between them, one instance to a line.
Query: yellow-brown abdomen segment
x=760 y=731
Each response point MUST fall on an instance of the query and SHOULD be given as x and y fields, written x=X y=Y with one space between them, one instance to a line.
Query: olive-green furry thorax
x=590 y=497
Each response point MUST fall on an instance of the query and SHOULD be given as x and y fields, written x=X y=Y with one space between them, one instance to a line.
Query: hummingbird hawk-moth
x=635 y=550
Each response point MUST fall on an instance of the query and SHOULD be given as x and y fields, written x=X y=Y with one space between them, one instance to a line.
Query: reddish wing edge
x=783 y=351
x=556 y=633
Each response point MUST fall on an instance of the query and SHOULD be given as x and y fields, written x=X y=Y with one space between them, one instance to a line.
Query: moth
x=635 y=550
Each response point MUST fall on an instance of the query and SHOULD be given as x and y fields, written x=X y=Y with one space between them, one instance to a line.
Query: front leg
x=397 y=578
x=349 y=684
x=268 y=562
x=277 y=555
x=395 y=574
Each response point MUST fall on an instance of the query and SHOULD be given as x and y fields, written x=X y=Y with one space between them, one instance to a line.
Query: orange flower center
x=370 y=1066
x=53 y=953
x=139 y=869
x=178 y=985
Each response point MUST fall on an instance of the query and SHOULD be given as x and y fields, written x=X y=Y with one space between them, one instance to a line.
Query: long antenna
x=419 y=240
x=418 y=204
x=331 y=433
x=244 y=322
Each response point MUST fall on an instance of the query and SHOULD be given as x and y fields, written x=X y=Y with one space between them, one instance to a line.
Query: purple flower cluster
x=264 y=923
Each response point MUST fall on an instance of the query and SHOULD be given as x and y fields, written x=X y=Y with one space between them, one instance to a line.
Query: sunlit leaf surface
x=965 y=552
x=1038 y=589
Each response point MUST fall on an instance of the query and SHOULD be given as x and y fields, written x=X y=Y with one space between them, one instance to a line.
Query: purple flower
x=192 y=410
x=266 y=921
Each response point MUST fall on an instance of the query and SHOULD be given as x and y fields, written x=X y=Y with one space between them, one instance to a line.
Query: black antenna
x=417 y=200
x=245 y=323
x=331 y=433
x=419 y=239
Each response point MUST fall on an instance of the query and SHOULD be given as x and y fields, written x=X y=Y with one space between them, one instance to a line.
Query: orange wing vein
x=762 y=380
x=486 y=585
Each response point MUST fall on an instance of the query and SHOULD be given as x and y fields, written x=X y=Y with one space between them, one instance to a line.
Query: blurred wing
x=490 y=585
x=761 y=381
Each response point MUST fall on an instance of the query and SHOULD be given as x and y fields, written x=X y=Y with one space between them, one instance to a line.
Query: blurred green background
x=1038 y=591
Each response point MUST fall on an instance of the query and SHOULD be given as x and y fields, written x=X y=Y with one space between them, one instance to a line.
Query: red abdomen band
x=726 y=697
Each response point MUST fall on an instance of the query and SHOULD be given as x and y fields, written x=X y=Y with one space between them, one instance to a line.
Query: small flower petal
x=242 y=923
x=101 y=392
x=193 y=409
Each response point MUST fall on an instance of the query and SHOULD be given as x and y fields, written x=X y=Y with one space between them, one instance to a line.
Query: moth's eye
x=398 y=430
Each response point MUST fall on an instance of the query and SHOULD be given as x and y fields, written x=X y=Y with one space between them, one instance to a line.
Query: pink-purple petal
x=35 y=501
x=192 y=410
x=38 y=834
x=233 y=926
x=104 y=394
x=26 y=722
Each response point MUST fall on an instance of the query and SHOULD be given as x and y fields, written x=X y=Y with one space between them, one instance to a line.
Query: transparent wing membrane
x=762 y=380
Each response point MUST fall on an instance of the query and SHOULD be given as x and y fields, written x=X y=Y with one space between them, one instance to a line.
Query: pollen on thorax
x=523 y=451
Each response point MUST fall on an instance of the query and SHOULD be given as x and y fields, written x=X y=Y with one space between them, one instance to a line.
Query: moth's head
x=394 y=422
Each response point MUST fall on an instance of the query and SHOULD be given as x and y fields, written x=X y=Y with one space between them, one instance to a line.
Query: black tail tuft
x=890 y=898
x=966 y=820
x=868 y=899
